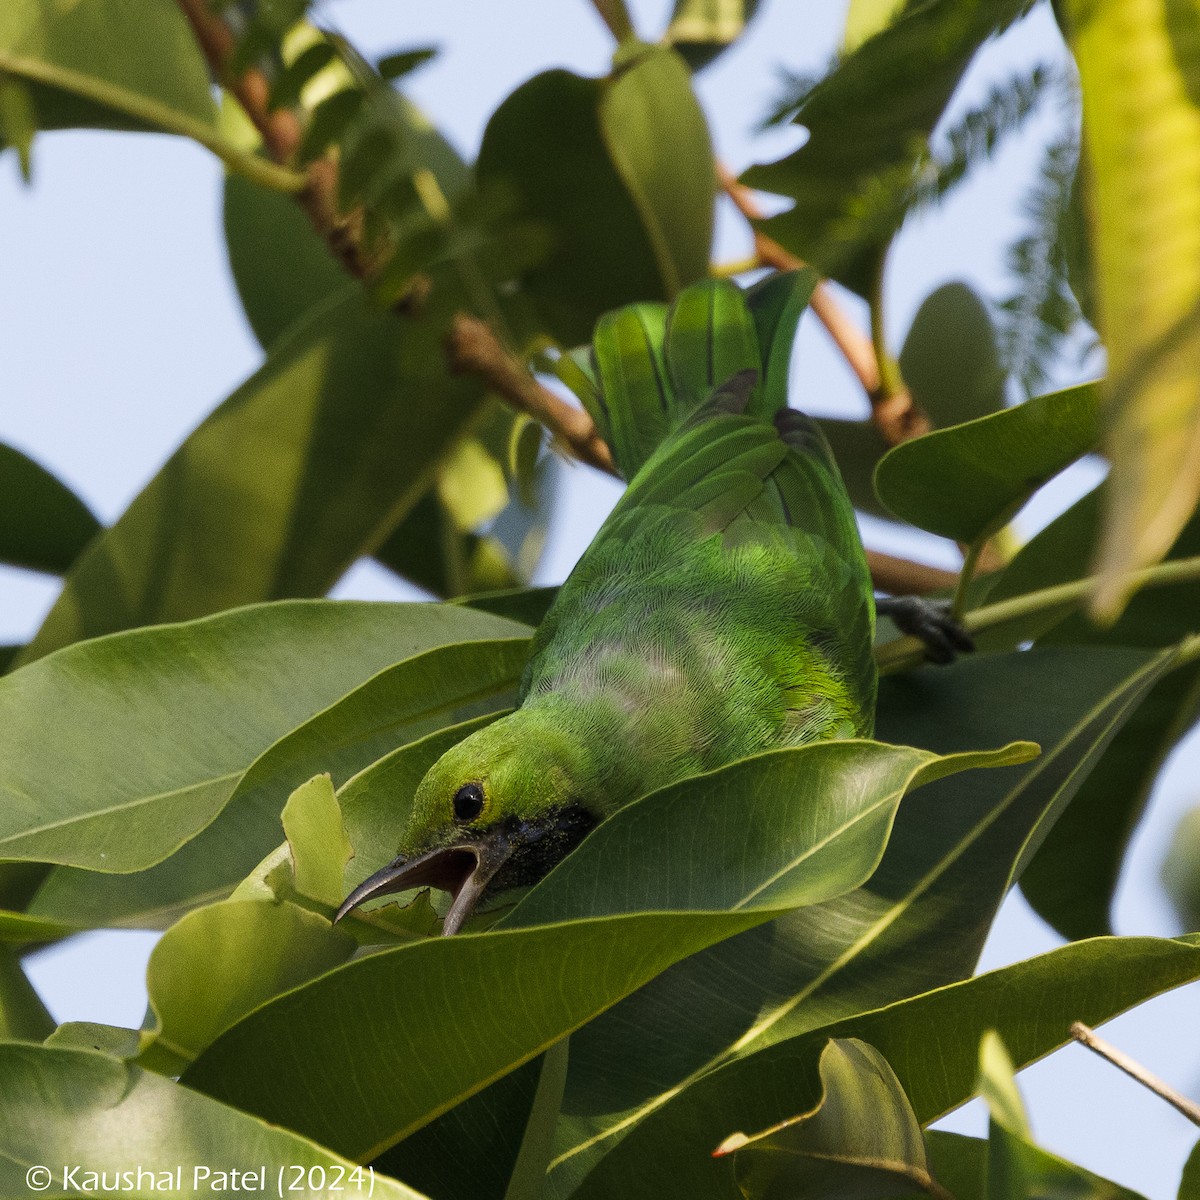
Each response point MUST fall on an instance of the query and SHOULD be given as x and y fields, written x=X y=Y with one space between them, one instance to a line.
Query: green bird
x=724 y=608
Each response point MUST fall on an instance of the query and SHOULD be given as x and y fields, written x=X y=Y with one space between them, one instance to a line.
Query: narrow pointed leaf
x=23 y=1016
x=43 y=525
x=701 y=29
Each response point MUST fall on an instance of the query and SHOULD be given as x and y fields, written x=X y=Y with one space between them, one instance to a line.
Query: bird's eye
x=468 y=802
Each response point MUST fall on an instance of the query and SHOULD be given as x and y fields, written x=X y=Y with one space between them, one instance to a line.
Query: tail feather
x=651 y=368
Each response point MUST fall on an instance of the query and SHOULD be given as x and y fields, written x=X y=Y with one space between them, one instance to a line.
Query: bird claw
x=932 y=622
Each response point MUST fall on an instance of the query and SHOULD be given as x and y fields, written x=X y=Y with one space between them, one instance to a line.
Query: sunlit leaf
x=1140 y=70
x=701 y=29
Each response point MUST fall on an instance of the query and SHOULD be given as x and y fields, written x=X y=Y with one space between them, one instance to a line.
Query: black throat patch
x=539 y=844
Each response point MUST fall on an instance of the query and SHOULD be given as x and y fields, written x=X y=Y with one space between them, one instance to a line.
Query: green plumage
x=723 y=609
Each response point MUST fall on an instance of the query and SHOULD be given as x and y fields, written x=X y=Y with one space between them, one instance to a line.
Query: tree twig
x=281 y=131
x=473 y=348
x=892 y=410
x=1119 y=1059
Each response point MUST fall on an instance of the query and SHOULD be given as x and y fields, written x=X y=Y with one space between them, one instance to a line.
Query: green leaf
x=301 y=470
x=950 y=360
x=858 y=446
x=1189 y=1184
x=968 y=481
x=317 y=841
x=931 y=1042
x=861 y=1139
x=408 y=700
x=404 y=62
x=529 y=1172
x=87 y=59
x=658 y=138
x=281 y=267
x=739 y=823
x=865 y=18
x=700 y=30
x=23 y=1016
x=869 y=124
x=199 y=702
x=918 y=923
x=18 y=122
x=292 y=80
x=1181 y=869
x=1017 y=1169
x=529 y=605
x=43 y=525
x=78 y=1107
x=544 y=980
x=112 y=1040
x=588 y=160
x=220 y=962
x=1072 y=879
x=1140 y=72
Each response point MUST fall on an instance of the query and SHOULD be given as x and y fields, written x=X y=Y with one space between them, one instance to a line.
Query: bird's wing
x=772 y=485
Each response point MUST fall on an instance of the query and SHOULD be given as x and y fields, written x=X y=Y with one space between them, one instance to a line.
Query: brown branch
x=281 y=131
x=901 y=577
x=473 y=348
x=893 y=412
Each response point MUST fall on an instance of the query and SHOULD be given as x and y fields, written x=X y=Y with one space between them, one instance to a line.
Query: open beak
x=463 y=870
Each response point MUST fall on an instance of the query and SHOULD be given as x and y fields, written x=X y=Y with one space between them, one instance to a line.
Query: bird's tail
x=649 y=366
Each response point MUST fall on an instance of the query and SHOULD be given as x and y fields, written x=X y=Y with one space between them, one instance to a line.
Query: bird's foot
x=929 y=620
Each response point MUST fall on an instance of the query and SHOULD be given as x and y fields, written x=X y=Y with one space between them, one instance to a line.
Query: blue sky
x=120 y=329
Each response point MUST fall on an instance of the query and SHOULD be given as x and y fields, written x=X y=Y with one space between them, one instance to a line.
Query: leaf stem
x=970 y=562
x=902 y=653
x=890 y=382
x=158 y=115
x=615 y=15
x=1119 y=1059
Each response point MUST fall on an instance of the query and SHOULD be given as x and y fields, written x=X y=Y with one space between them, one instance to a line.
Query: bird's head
x=496 y=811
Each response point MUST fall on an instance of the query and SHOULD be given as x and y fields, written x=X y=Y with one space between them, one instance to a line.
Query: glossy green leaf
x=529 y=605
x=199 y=702
x=1017 y=1169
x=869 y=122
x=918 y=923
x=220 y=962
x=950 y=360
x=1072 y=879
x=43 y=525
x=529 y=1172
x=18 y=122
x=301 y=470
x=86 y=59
x=114 y=1040
x=402 y=702
x=931 y=1042
x=1140 y=70
x=742 y=831
x=77 y=1107
x=967 y=481
x=583 y=961
x=860 y=1141
x=700 y=30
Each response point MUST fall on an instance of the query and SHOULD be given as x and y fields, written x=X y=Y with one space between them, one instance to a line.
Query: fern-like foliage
x=1038 y=319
